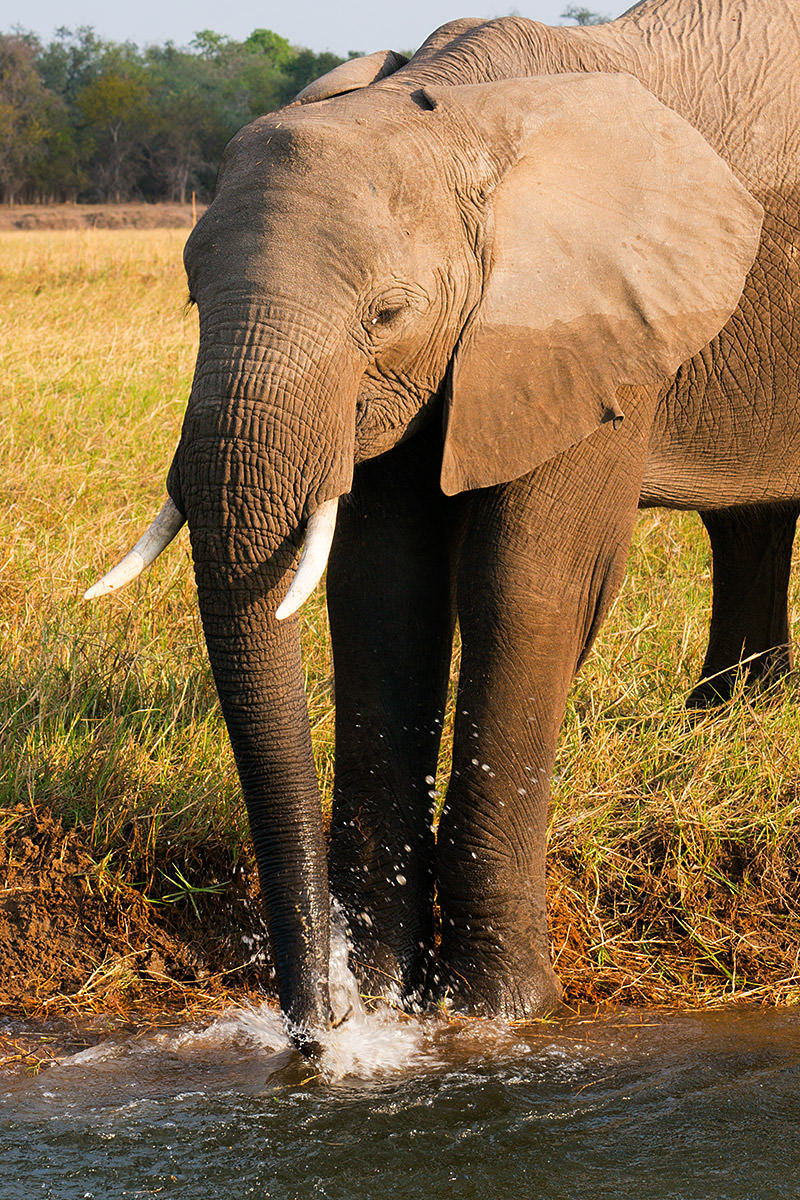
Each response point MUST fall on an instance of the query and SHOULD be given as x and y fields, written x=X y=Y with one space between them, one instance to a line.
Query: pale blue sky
x=364 y=25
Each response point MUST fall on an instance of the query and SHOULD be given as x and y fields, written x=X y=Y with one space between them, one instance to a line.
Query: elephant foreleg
x=752 y=555
x=541 y=561
x=391 y=615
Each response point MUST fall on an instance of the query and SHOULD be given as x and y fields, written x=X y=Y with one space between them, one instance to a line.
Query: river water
x=624 y=1104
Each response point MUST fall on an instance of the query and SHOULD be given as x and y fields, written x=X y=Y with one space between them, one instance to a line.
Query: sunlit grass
x=674 y=841
x=674 y=836
x=109 y=713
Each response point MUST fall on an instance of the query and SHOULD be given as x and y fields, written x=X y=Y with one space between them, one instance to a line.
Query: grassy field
x=674 y=844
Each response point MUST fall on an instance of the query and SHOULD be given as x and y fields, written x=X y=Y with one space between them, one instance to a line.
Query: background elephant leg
x=752 y=556
x=541 y=561
x=391 y=614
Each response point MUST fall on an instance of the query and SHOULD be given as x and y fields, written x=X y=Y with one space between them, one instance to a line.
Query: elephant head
x=498 y=257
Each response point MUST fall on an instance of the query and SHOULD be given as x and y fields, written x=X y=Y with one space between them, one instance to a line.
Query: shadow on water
x=621 y=1104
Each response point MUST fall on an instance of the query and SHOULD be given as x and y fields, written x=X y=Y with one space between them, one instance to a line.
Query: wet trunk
x=260 y=450
x=258 y=672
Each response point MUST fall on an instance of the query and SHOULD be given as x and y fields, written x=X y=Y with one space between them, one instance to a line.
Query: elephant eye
x=389 y=312
x=385 y=316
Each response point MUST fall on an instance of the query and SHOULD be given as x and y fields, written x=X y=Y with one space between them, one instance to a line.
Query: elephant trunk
x=259 y=678
x=264 y=456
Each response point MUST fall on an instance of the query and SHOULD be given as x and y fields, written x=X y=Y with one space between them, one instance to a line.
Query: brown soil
x=74 y=938
x=97 y=216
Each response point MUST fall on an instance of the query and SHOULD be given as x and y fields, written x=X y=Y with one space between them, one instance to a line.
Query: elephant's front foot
x=482 y=974
x=470 y=989
x=385 y=890
x=390 y=952
x=494 y=954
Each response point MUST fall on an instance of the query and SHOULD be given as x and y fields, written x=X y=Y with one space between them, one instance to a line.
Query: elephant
x=460 y=318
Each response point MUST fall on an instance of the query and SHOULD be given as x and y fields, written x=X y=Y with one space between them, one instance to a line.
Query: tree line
x=82 y=119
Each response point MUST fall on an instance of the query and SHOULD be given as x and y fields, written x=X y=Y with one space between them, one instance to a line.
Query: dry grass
x=108 y=709
x=135 y=215
x=674 y=839
x=674 y=842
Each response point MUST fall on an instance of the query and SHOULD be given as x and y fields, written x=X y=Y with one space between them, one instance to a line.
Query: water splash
x=365 y=1043
x=368 y=1043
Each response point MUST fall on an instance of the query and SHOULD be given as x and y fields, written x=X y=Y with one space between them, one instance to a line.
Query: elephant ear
x=350 y=76
x=617 y=243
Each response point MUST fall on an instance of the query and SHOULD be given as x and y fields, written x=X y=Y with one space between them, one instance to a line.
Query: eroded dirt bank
x=79 y=943
x=76 y=938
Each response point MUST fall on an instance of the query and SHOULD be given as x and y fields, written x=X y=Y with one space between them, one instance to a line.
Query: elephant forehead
x=343 y=154
x=290 y=144
x=295 y=148
x=294 y=193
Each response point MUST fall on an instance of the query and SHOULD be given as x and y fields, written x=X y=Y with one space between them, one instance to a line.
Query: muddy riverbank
x=79 y=941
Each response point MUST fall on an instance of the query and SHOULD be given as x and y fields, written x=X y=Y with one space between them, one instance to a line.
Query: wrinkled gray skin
x=358 y=290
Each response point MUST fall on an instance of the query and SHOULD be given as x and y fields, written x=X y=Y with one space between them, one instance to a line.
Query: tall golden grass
x=674 y=841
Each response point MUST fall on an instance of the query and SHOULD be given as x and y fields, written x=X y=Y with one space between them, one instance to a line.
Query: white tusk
x=146 y=550
x=313 y=560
